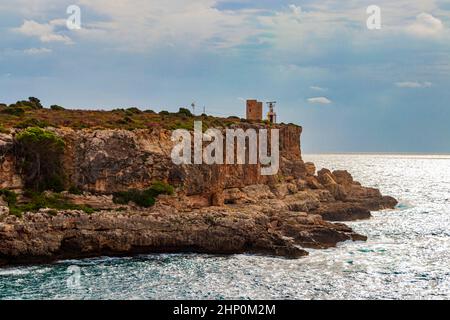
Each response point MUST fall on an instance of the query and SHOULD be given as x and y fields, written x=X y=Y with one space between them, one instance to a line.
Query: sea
x=407 y=255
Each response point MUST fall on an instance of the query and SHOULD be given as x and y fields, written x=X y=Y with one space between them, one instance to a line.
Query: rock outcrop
x=9 y=176
x=45 y=237
x=216 y=209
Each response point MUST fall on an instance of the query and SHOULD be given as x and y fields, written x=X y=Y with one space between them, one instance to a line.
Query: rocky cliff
x=216 y=208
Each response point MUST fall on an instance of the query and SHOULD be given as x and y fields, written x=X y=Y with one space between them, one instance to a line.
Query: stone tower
x=254 y=110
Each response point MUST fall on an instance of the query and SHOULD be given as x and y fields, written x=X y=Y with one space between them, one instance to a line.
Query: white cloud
x=142 y=24
x=45 y=32
x=37 y=51
x=426 y=25
x=317 y=88
x=146 y=24
x=413 y=84
x=319 y=100
x=296 y=10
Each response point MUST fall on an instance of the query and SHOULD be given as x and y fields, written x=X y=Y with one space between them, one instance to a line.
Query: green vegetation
x=9 y=196
x=75 y=190
x=143 y=198
x=12 y=110
x=56 y=108
x=55 y=201
x=132 y=111
x=20 y=107
x=34 y=201
x=41 y=153
x=34 y=103
x=31 y=123
x=3 y=129
x=186 y=112
x=25 y=114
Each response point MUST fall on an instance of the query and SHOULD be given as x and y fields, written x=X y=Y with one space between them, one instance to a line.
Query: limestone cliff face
x=9 y=176
x=106 y=161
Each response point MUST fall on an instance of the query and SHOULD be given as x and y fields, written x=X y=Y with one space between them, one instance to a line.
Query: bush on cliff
x=55 y=107
x=32 y=123
x=185 y=112
x=13 y=110
x=143 y=198
x=132 y=111
x=9 y=196
x=31 y=103
x=40 y=152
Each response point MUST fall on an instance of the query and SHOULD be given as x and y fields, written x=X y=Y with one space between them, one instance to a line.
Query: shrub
x=124 y=121
x=9 y=196
x=75 y=190
x=56 y=108
x=32 y=103
x=164 y=113
x=131 y=111
x=159 y=187
x=140 y=198
x=186 y=112
x=40 y=152
x=143 y=198
x=32 y=122
x=13 y=110
x=35 y=102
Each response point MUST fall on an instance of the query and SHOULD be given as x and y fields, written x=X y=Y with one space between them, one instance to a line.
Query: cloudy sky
x=351 y=88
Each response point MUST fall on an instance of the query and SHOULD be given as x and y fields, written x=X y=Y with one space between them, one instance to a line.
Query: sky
x=352 y=89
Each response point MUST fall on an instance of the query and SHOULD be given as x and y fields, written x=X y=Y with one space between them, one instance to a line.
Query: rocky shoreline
x=260 y=222
x=218 y=209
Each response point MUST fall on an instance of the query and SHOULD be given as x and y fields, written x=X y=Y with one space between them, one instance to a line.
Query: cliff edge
x=222 y=209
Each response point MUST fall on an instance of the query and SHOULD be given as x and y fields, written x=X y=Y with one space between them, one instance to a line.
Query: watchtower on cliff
x=254 y=110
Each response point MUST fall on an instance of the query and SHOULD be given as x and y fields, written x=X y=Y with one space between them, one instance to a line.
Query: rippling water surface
x=407 y=255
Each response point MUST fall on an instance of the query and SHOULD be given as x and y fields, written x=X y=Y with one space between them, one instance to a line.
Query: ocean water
x=407 y=255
